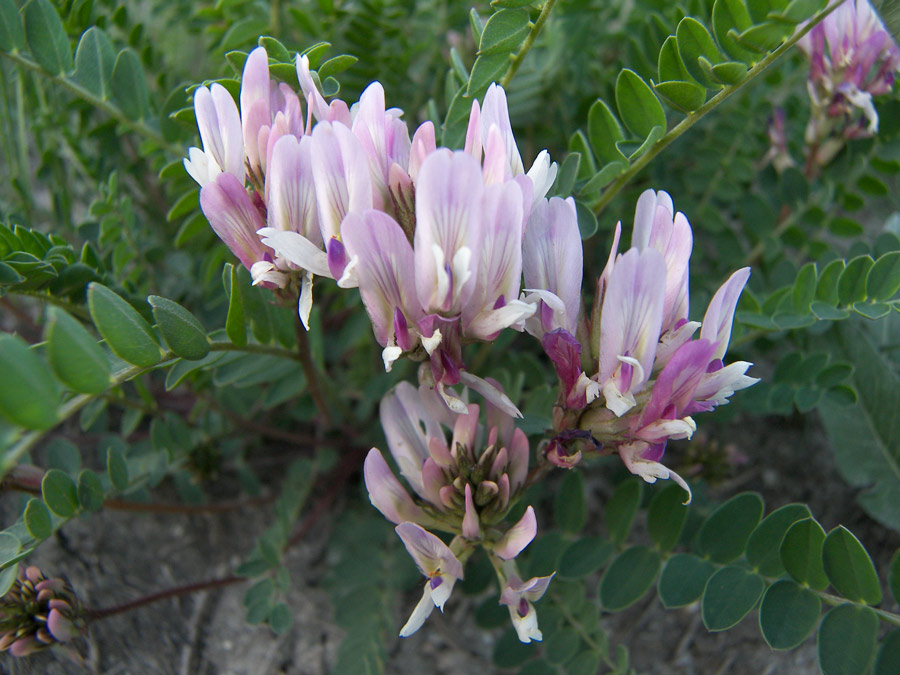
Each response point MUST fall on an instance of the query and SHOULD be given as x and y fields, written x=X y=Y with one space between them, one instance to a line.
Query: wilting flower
x=37 y=613
x=650 y=376
x=852 y=58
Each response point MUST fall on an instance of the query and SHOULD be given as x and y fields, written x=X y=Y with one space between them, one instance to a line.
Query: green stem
x=693 y=117
x=254 y=349
x=107 y=107
x=526 y=46
x=585 y=635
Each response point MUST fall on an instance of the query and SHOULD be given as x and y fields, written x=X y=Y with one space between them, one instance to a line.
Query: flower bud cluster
x=852 y=58
x=648 y=376
x=464 y=487
x=37 y=613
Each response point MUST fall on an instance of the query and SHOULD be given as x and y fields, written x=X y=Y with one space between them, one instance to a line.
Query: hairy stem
x=693 y=117
x=526 y=46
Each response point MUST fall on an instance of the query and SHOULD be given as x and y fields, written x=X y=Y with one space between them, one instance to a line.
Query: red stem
x=96 y=614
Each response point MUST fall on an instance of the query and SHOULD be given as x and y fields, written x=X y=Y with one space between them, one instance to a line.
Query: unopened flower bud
x=37 y=613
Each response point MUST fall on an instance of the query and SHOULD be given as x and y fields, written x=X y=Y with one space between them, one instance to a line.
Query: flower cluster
x=852 y=58
x=465 y=488
x=433 y=238
x=37 y=613
x=648 y=374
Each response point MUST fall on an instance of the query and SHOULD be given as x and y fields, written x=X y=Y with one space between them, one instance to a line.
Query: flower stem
x=177 y=591
x=693 y=117
x=312 y=375
x=526 y=46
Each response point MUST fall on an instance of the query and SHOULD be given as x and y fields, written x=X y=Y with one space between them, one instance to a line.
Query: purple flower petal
x=386 y=493
x=233 y=217
x=518 y=537
x=385 y=267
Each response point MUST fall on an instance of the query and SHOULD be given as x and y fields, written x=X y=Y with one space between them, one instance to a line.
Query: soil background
x=115 y=556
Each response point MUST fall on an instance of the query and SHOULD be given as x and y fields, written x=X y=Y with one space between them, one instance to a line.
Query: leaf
x=628 y=578
x=826 y=312
x=504 y=32
x=763 y=37
x=90 y=490
x=129 y=85
x=894 y=576
x=567 y=175
x=29 y=396
x=804 y=287
x=620 y=509
x=788 y=614
x=872 y=311
x=509 y=652
x=764 y=546
x=728 y=15
x=723 y=537
x=117 y=469
x=694 y=42
x=669 y=65
x=9 y=547
x=486 y=69
x=887 y=662
x=95 y=59
x=849 y=567
x=666 y=516
x=74 y=354
x=46 y=37
x=561 y=646
x=124 y=330
x=59 y=493
x=12 y=35
x=585 y=556
x=865 y=437
x=801 y=553
x=638 y=105
x=9 y=276
x=683 y=96
x=846 y=642
x=798 y=11
x=884 y=277
x=852 y=283
x=827 y=287
x=845 y=227
x=729 y=72
x=604 y=177
x=280 y=618
x=182 y=369
x=730 y=594
x=336 y=65
x=569 y=509
x=683 y=579
x=604 y=133
x=181 y=330
x=235 y=325
x=37 y=519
